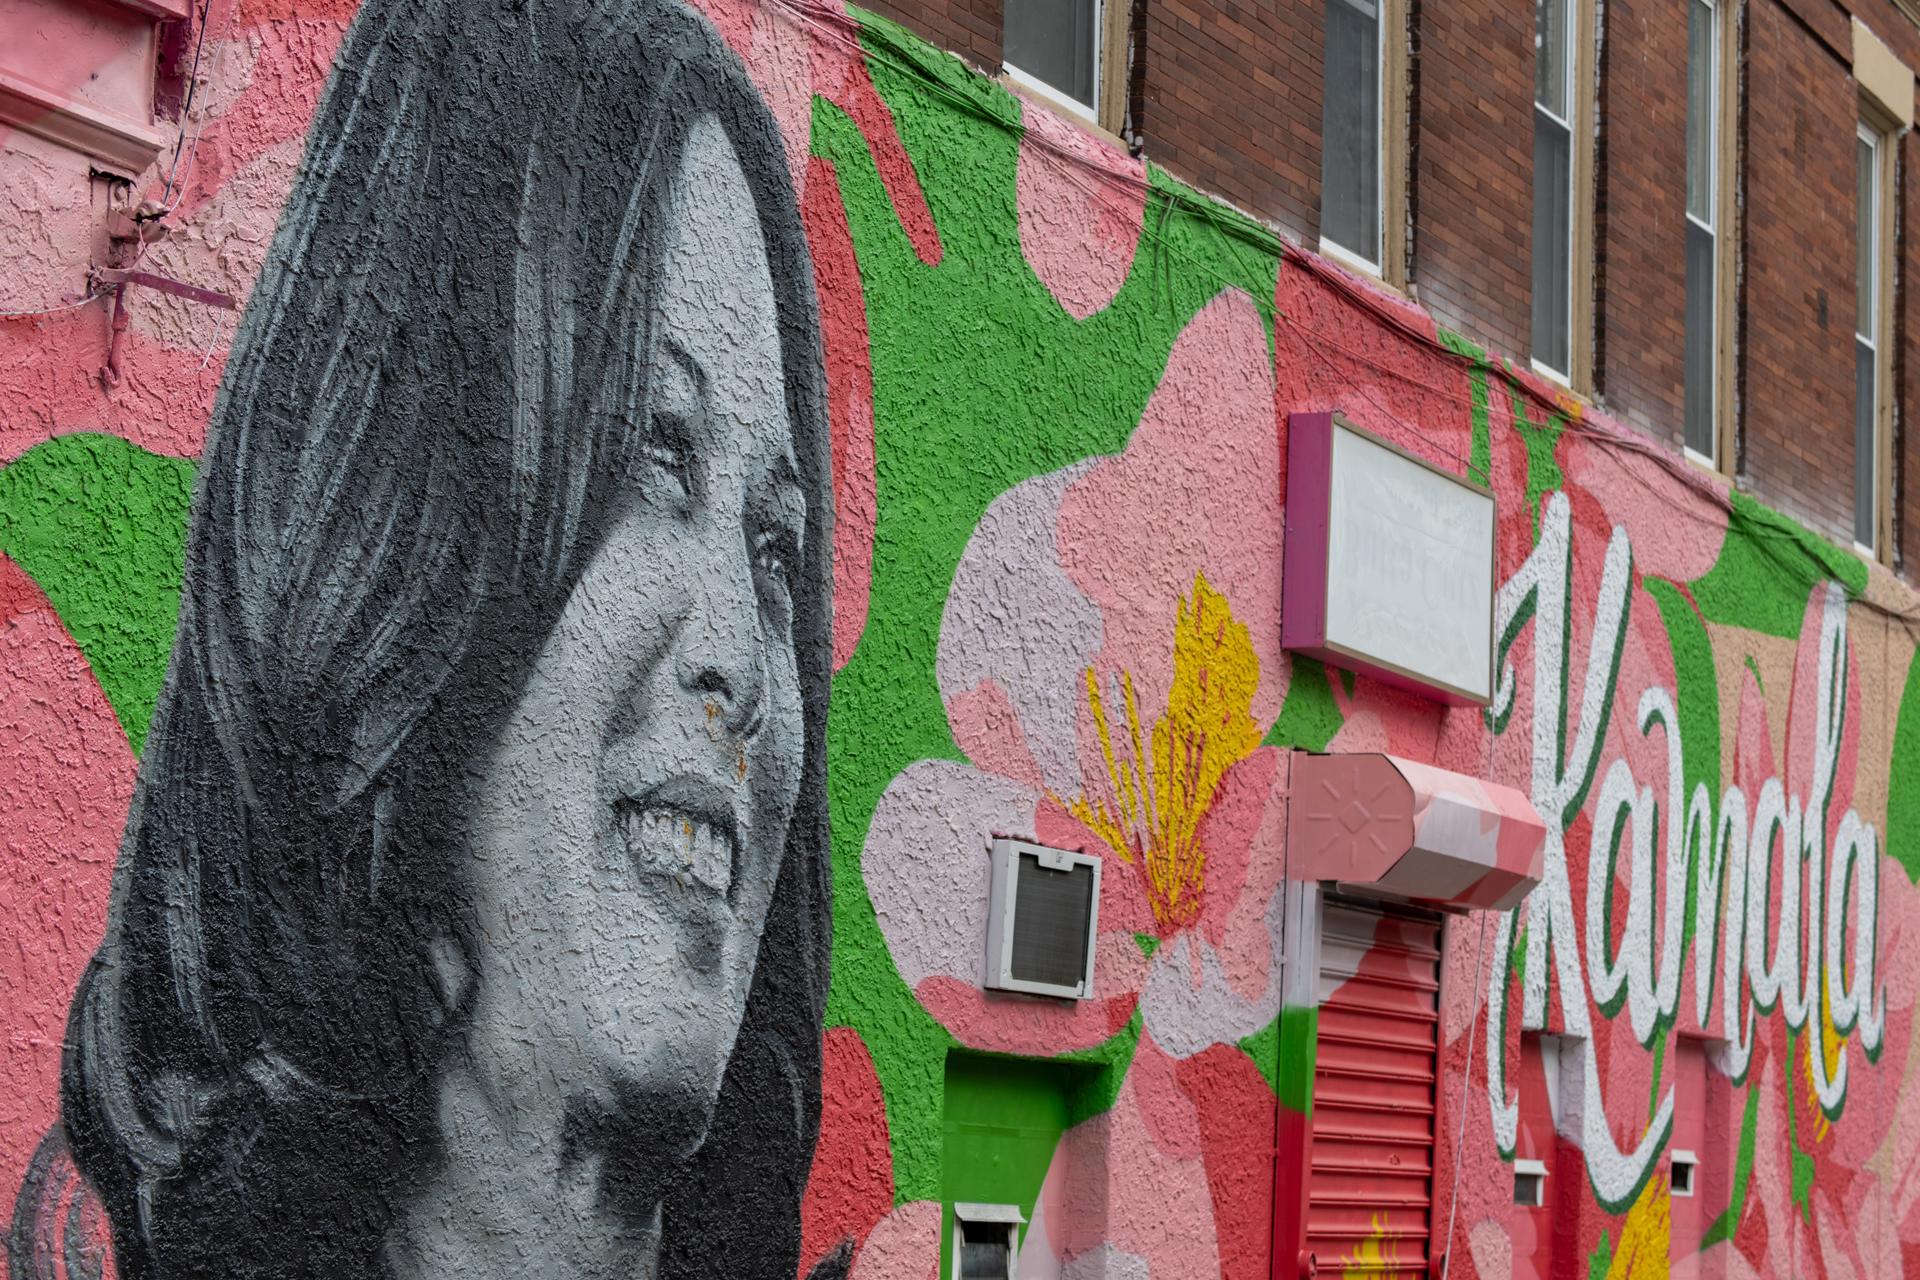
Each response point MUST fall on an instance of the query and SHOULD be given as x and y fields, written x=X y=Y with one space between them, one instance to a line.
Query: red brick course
x=1640 y=219
x=970 y=28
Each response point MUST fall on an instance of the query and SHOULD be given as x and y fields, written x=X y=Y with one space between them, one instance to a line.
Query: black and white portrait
x=472 y=915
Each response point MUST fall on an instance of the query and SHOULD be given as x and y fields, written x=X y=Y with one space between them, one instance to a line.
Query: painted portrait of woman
x=472 y=914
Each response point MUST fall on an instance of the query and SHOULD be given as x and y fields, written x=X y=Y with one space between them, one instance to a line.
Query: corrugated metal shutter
x=1371 y=1191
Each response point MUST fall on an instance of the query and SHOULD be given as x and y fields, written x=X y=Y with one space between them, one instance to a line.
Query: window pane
x=1053 y=40
x=985 y=1250
x=1700 y=325
x=1701 y=53
x=1865 y=490
x=1350 y=129
x=1550 y=55
x=1867 y=209
x=1552 y=242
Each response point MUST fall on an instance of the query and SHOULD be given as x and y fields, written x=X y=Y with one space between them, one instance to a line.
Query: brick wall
x=1798 y=360
x=1641 y=218
x=1473 y=168
x=1231 y=103
x=970 y=28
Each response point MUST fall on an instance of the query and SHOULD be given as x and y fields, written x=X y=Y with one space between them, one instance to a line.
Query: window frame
x=1723 y=167
x=1582 y=107
x=1108 y=112
x=1569 y=105
x=995 y=1215
x=1391 y=56
x=1537 y=1171
x=1677 y=1159
x=1882 y=136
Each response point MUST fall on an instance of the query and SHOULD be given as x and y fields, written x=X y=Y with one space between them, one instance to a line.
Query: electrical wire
x=186 y=108
x=839 y=27
x=56 y=310
x=219 y=63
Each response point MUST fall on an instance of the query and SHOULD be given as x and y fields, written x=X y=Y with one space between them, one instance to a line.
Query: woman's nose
x=721 y=658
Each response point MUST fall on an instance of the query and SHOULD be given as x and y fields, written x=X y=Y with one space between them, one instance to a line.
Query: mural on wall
x=470 y=887
x=471 y=910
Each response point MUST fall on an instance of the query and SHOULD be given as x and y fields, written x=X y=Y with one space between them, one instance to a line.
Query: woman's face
x=629 y=824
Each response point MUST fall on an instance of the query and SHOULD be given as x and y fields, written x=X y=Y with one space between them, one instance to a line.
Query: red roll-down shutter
x=1371 y=1191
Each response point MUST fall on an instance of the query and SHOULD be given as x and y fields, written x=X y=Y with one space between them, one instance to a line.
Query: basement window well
x=1685 y=1164
x=985 y=1239
x=1529 y=1183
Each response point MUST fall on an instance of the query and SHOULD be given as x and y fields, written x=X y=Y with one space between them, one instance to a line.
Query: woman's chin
x=641 y=1132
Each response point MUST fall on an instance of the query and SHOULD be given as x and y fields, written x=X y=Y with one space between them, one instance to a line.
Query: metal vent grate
x=1044 y=912
x=1051 y=912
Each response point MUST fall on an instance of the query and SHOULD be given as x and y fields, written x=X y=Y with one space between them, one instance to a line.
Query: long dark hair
x=414 y=454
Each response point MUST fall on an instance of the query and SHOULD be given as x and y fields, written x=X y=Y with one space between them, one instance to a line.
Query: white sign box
x=1388 y=564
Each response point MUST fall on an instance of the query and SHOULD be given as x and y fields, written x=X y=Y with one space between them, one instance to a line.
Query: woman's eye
x=776 y=554
x=663 y=453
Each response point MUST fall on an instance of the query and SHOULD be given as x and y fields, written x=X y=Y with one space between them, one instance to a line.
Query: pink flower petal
x=905 y=1246
x=1082 y=203
x=1678 y=527
x=926 y=864
x=1116 y=1184
x=1015 y=622
x=1190 y=1006
x=1192 y=493
x=1005 y=1022
x=66 y=779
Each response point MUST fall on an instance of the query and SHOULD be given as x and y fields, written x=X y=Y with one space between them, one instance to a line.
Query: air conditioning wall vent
x=1044 y=915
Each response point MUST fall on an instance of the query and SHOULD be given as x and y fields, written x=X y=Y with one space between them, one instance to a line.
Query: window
x=1071 y=52
x=1684 y=1164
x=1554 y=93
x=985 y=1241
x=1872 y=270
x=1707 y=212
x=1361 y=179
x=1529 y=1183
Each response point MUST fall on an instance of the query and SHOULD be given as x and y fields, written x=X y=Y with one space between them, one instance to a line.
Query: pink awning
x=1413 y=830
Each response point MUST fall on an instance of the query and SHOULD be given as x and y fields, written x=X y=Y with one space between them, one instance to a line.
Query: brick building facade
x=1228 y=97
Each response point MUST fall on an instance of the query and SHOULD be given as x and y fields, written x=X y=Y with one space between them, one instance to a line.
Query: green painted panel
x=1903 y=802
x=1767 y=566
x=1002 y=1120
x=100 y=524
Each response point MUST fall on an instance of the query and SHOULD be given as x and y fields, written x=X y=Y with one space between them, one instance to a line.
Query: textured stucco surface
x=1057 y=390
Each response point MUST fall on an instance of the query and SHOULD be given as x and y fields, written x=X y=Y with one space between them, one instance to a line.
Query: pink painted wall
x=1011 y=308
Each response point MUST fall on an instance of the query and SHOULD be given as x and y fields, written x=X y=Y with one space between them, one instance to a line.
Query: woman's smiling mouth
x=683 y=829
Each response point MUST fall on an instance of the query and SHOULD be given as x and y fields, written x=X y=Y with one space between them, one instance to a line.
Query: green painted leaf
x=1309 y=717
x=1767 y=567
x=1903 y=800
x=100 y=524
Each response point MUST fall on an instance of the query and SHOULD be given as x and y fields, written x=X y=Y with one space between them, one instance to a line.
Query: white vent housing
x=1043 y=913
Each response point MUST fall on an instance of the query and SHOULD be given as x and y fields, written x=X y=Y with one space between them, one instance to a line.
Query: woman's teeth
x=673 y=842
